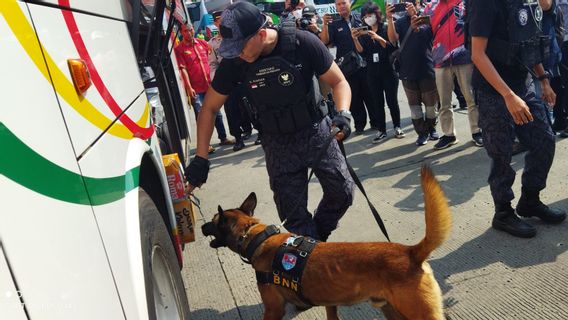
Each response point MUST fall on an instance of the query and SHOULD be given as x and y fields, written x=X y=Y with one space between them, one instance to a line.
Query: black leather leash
x=316 y=162
x=374 y=211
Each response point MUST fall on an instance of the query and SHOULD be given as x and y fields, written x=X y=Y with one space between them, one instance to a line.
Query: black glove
x=342 y=121
x=197 y=171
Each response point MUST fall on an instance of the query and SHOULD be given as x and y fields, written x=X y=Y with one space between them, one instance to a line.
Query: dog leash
x=316 y=162
x=374 y=211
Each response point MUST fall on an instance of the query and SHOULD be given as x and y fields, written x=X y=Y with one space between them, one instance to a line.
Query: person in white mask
x=383 y=81
x=292 y=10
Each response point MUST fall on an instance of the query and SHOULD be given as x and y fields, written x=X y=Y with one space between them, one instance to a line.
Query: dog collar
x=257 y=241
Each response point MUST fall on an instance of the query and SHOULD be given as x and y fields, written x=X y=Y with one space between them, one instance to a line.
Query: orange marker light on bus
x=80 y=75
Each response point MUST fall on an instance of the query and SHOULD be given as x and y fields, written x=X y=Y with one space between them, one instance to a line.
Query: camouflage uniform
x=288 y=158
x=498 y=134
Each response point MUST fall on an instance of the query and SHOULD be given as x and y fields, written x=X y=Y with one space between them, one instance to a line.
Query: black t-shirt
x=340 y=34
x=373 y=50
x=416 y=55
x=311 y=57
x=487 y=19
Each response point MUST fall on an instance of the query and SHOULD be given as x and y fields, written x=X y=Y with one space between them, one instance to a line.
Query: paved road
x=484 y=274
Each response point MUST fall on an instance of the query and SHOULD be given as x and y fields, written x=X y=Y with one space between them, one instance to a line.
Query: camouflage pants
x=288 y=158
x=499 y=132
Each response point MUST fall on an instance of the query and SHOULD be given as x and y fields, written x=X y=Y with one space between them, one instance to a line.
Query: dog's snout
x=208 y=229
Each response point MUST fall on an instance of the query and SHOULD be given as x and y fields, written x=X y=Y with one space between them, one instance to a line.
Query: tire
x=165 y=290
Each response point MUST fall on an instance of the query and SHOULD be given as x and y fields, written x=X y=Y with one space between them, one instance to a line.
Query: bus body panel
x=10 y=304
x=69 y=219
x=117 y=9
x=31 y=101
x=105 y=46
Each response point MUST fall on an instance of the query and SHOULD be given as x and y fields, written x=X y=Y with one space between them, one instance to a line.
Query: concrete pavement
x=483 y=273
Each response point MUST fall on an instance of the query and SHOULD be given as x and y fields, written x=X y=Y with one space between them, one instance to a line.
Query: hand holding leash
x=342 y=122
x=197 y=171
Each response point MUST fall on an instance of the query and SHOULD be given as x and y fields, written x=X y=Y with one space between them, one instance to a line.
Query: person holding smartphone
x=382 y=80
x=416 y=70
x=340 y=33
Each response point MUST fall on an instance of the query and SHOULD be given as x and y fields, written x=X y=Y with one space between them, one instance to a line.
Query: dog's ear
x=249 y=205
x=221 y=214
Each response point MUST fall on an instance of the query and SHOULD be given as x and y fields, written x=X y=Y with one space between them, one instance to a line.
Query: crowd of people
x=277 y=86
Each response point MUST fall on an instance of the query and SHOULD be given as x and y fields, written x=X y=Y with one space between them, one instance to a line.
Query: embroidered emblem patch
x=523 y=17
x=289 y=261
x=285 y=78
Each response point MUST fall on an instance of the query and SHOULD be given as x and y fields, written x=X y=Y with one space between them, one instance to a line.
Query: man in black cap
x=309 y=20
x=278 y=68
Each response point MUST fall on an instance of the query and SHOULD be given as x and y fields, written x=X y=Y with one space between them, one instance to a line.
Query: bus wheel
x=165 y=291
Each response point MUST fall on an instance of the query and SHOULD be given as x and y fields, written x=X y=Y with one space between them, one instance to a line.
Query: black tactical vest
x=526 y=45
x=281 y=100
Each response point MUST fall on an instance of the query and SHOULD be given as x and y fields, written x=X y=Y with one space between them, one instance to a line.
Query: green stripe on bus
x=26 y=167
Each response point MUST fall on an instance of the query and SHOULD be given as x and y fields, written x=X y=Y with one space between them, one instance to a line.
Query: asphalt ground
x=483 y=273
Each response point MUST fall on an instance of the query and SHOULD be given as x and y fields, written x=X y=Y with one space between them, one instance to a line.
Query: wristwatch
x=546 y=75
x=346 y=114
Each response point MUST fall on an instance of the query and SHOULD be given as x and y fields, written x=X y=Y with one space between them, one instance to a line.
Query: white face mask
x=297 y=13
x=371 y=20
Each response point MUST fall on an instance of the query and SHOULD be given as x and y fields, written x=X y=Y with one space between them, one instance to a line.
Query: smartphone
x=363 y=29
x=335 y=16
x=399 y=7
x=423 y=20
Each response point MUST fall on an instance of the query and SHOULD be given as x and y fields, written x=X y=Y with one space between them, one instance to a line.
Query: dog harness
x=288 y=265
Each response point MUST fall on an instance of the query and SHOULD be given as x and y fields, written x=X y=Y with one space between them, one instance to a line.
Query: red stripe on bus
x=139 y=132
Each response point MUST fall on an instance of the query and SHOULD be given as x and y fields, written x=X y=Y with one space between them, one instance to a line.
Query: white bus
x=87 y=229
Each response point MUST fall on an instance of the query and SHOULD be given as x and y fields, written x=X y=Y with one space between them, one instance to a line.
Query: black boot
x=239 y=144
x=530 y=206
x=506 y=220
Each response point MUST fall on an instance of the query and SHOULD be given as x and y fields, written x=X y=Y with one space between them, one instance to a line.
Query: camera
x=305 y=22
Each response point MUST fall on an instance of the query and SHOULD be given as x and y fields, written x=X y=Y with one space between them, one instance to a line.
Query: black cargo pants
x=499 y=131
x=288 y=158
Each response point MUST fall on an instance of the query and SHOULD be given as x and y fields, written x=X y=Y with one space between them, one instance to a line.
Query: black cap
x=239 y=22
x=309 y=10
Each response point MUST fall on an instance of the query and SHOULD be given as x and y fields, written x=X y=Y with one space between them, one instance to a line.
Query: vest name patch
x=284 y=282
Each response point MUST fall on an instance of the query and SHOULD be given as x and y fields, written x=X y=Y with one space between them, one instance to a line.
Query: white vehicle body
x=71 y=164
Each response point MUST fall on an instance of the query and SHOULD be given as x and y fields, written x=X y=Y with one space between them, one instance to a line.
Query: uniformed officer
x=506 y=45
x=278 y=68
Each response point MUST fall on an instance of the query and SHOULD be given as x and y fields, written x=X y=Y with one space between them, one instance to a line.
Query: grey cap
x=239 y=22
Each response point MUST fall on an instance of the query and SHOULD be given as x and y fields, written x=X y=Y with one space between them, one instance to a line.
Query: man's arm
x=391 y=30
x=342 y=98
x=341 y=90
x=198 y=168
x=548 y=95
x=516 y=106
x=324 y=34
x=187 y=84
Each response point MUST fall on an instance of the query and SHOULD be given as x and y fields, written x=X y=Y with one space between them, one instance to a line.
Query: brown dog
x=390 y=275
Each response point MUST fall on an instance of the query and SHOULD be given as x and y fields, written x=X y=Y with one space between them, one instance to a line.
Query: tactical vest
x=526 y=45
x=279 y=97
x=288 y=266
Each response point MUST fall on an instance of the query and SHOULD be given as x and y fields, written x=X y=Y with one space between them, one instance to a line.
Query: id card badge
x=375 y=57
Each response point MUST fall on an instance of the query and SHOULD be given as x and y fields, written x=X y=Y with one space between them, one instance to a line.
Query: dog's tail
x=438 y=217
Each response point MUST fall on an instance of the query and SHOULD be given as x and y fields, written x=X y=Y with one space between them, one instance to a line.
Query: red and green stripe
x=21 y=164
